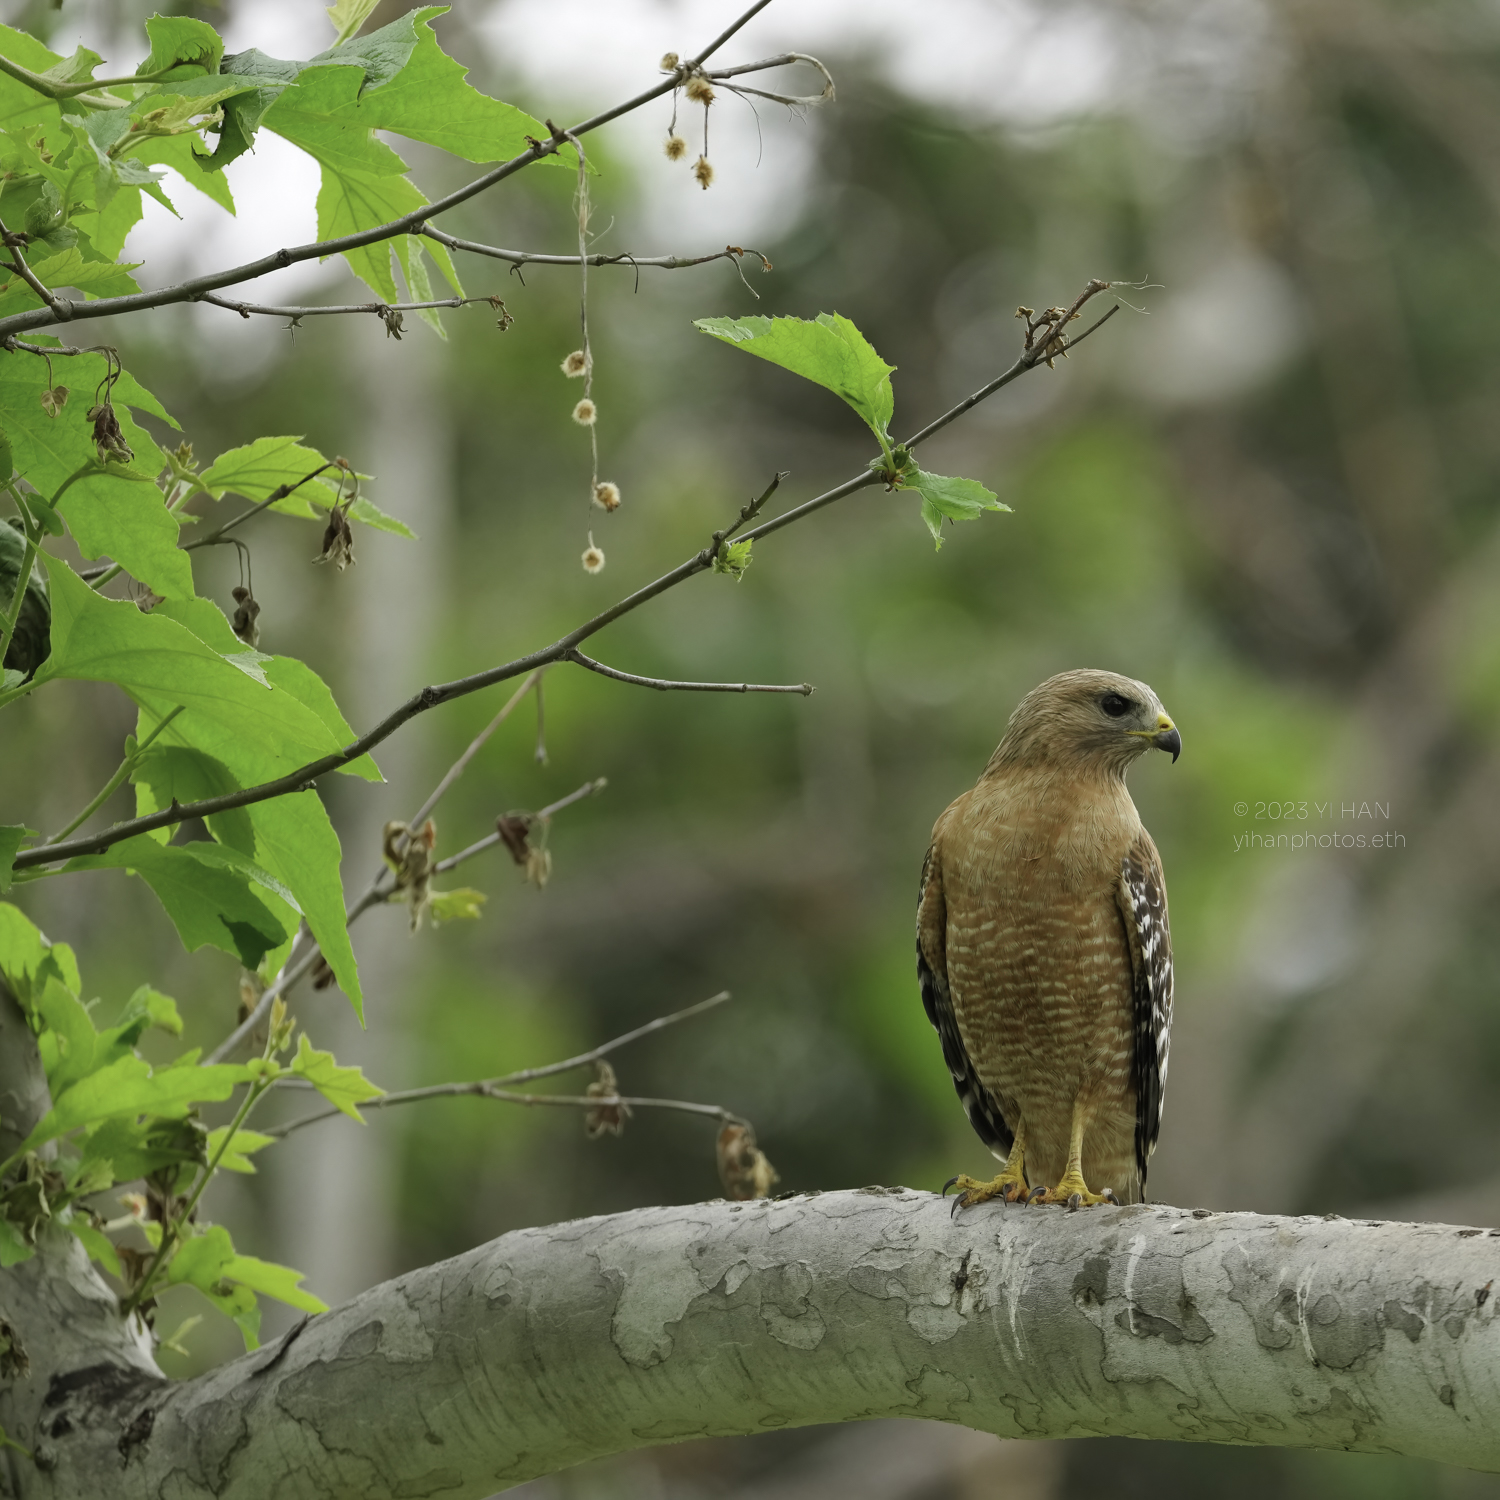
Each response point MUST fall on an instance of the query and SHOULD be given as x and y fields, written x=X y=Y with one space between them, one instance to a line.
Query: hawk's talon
x=1075 y=1202
x=971 y=1191
x=1109 y=1197
x=1036 y=1195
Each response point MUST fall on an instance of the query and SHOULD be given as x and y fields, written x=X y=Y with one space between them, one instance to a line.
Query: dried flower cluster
x=605 y=1118
x=109 y=441
x=535 y=861
x=246 y=613
x=744 y=1168
x=409 y=854
x=699 y=91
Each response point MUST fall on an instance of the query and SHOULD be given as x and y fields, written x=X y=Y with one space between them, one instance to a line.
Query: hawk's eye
x=1116 y=705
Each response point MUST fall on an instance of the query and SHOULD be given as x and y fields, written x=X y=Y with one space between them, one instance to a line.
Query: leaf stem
x=171 y=1228
x=89 y=468
x=127 y=765
x=78 y=91
x=23 y=582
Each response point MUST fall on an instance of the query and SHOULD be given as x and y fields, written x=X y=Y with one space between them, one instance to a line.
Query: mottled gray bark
x=551 y=1346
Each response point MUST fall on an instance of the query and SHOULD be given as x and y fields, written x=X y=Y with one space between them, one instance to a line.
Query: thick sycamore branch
x=551 y=1346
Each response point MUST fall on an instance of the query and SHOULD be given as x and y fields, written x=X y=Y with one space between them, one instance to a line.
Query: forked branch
x=502 y=1088
x=430 y=697
x=62 y=309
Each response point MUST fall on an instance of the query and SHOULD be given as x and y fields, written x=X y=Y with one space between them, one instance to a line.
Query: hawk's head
x=1087 y=720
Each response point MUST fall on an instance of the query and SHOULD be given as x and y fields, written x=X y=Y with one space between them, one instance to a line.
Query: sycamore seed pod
x=607 y=495
x=593 y=557
x=700 y=91
x=575 y=364
x=675 y=147
x=704 y=172
x=585 y=413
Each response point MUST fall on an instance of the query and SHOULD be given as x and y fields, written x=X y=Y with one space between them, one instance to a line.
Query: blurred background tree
x=1272 y=496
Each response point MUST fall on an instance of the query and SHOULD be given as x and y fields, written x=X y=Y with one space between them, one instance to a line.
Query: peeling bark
x=551 y=1346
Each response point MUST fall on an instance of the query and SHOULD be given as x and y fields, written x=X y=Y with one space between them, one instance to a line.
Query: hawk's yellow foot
x=1073 y=1191
x=1009 y=1187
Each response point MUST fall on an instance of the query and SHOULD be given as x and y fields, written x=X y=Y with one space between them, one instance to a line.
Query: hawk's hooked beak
x=1167 y=737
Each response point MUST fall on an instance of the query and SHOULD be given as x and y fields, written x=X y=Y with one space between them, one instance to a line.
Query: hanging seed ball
x=585 y=412
x=593 y=557
x=607 y=495
x=675 y=147
x=669 y=61
x=700 y=91
x=704 y=172
x=575 y=364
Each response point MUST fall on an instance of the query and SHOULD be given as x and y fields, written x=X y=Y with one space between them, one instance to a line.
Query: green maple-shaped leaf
x=827 y=349
x=950 y=499
x=342 y=1087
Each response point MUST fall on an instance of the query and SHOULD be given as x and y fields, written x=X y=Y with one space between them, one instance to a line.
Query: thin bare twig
x=794 y=101
x=62 y=351
x=377 y=309
x=667 y=684
x=377 y=893
x=531 y=258
x=494 y=1088
x=588 y=789
x=291 y=972
x=429 y=697
x=459 y=766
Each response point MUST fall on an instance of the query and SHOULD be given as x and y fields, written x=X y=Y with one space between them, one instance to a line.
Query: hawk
x=1043 y=950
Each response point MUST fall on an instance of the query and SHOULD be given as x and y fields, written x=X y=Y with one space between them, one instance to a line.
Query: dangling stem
x=582 y=199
